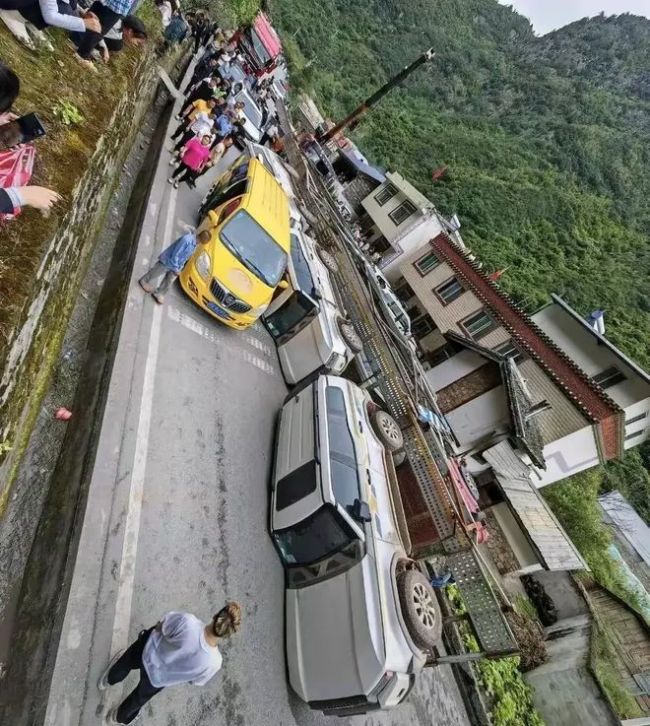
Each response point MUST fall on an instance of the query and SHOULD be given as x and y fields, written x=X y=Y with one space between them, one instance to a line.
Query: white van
x=394 y=311
x=306 y=321
x=359 y=615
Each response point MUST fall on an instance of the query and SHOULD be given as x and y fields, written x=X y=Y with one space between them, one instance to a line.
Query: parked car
x=359 y=614
x=252 y=114
x=306 y=321
x=260 y=44
x=394 y=311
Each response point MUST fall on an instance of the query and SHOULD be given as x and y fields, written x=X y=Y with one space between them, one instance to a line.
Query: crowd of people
x=96 y=30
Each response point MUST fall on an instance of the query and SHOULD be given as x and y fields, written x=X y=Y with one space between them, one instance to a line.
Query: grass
x=575 y=503
x=49 y=80
x=603 y=661
x=525 y=607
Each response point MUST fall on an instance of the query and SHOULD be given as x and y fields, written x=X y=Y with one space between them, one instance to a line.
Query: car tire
x=350 y=336
x=328 y=259
x=420 y=608
x=387 y=430
x=399 y=457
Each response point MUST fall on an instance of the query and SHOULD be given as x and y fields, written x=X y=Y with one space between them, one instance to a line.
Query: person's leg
x=160 y=292
x=189 y=177
x=154 y=273
x=107 y=19
x=181 y=128
x=189 y=134
x=141 y=694
x=178 y=171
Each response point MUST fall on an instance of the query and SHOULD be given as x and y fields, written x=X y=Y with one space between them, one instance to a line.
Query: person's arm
x=52 y=16
x=13 y=198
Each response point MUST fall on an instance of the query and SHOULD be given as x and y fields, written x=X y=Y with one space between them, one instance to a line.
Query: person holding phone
x=13 y=198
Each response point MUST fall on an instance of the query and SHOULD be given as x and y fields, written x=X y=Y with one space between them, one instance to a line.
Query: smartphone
x=21 y=131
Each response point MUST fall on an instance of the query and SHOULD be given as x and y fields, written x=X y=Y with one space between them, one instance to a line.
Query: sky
x=546 y=15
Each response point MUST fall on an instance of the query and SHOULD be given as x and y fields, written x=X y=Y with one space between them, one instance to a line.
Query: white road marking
x=257 y=343
x=122 y=620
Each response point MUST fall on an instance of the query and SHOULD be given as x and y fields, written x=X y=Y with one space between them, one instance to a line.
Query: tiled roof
x=585 y=394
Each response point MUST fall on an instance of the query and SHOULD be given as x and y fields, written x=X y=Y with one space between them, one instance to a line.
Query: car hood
x=335 y=646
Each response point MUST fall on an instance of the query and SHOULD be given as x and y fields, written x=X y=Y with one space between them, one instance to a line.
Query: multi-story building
x=396 y=220
x=589 y=401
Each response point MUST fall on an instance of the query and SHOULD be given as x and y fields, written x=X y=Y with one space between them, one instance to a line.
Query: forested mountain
x=546 y=139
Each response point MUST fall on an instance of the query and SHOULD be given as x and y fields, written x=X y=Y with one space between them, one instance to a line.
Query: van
x=235 y=275
x=306 y=321
x=361 y=618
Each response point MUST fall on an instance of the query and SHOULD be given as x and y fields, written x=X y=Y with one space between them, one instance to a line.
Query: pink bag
x=16 y=167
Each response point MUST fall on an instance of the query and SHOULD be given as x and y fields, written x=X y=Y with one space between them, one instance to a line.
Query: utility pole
x=354 y=118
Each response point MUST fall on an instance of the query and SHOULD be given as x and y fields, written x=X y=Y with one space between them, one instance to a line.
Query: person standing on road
x=170 y=264
x=180 y=648
x=194 y=157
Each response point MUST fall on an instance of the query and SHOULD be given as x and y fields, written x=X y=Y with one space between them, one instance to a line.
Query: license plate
x=217 y=310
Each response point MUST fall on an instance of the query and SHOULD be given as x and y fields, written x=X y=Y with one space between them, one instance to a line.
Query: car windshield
x=293 y=312
x=301 y=268
x=254 y=248
x=258 y=46
x=321 y=535
x=252 y=111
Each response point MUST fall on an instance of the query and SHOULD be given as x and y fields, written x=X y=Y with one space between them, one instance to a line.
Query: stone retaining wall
x=34 y=345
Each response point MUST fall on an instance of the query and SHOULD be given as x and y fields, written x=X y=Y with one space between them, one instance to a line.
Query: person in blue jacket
x=170 y=263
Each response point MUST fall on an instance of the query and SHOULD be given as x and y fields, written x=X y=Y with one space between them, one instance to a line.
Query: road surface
x=177 y=511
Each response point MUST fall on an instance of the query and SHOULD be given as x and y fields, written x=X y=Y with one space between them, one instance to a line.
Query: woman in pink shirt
x=194 y=156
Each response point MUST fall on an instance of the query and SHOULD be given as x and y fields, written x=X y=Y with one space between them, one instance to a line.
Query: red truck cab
x=260 y=45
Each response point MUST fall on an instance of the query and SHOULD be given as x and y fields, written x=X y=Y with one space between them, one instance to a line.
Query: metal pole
x=358 y=112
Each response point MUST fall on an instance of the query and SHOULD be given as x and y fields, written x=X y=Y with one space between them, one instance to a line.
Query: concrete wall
x=591 y=356
x=473 y=421
x=565 y=692
x=567 y=456
x=424 y=230
x=33 y=346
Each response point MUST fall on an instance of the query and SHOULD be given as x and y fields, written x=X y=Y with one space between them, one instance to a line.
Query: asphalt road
x=177 y=512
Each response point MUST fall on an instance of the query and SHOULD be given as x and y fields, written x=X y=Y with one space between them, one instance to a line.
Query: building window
x=638 y=418
x=385 y=194
x=509 y=350
x=422 y=326
x=449 y=291
x=609 y=377
x=427 y=263
x=402 y=212
x=633 y=434
x=478 y=325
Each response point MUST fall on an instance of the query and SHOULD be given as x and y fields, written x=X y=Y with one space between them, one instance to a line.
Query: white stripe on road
x=126 y=577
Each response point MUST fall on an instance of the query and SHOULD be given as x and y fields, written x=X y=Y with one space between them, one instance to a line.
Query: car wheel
x=420 y=608
x=387 y=431
x=350 y=336
x=328 y=259
x=399 y=457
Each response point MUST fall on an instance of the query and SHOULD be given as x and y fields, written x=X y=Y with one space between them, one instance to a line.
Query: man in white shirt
x=179 y=649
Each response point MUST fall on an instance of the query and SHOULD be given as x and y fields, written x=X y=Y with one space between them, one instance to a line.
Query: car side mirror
x=361 y=511
x=283 y=284
x=213 y=217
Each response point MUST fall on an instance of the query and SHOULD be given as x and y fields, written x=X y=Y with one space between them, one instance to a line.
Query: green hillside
x=546 y=140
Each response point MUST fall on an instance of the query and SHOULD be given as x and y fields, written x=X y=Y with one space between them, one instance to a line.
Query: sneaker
x=145 y=287
x=170 y=180
x=172 y=161
x=87 y=63
x=175 y=185
x=103 y=683
x=160 y=299
x=111 y=718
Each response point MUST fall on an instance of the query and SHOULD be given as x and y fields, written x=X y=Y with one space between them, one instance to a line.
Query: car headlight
x=203 y=265
x=256 y=312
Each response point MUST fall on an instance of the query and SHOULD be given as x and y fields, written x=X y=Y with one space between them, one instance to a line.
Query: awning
x=544 y=532
x=362 y=167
